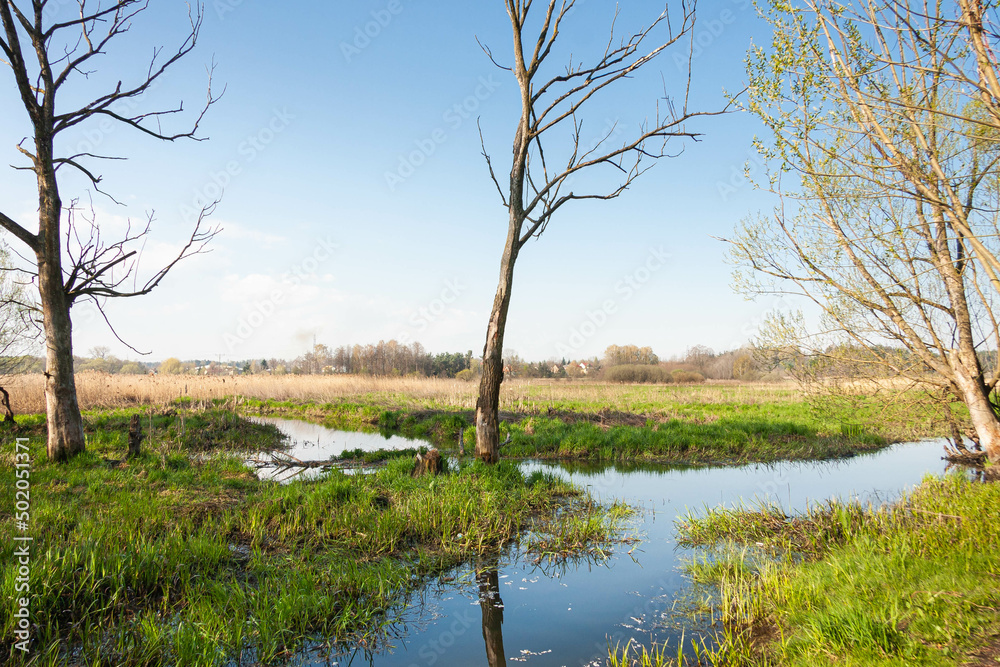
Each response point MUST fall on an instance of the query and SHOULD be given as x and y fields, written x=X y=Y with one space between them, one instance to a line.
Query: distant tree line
x=385 y=358
x=620 y=363
x=631 y=363
x=393 y=358
x=100 y=360
x=630 y=355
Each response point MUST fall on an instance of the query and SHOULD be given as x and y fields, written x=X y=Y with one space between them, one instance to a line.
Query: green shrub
x=687 y=377
x=467 y=375
x=637 y=373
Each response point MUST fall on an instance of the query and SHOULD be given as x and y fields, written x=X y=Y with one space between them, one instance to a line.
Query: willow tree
x=885 y=133
x=553 y=100
x=50 y=50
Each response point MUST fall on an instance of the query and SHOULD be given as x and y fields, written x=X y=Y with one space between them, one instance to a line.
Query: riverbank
x=914 y=583
x=720 y=422
x=667 y=431
x=183 y=556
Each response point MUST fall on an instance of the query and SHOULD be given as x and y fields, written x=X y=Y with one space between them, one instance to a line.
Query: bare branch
x=489 y=163
x=20 y=232
x=114 y=332
x=94 y=263
x=489 y=54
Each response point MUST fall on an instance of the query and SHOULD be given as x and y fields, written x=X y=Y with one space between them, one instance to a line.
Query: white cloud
x=237 y=232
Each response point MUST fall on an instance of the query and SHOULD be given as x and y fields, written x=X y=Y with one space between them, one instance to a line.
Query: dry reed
x=100 y=390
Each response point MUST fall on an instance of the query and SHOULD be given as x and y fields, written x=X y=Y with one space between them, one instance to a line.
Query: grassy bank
x=773 y=402
x=182 y=556
x=718 y=422
x=668 y=429
x=911 y=584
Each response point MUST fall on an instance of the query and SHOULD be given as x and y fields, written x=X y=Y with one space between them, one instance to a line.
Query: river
x=516 y=611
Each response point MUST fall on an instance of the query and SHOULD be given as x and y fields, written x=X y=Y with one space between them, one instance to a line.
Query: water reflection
x=568 y=613
x=314 y=442
x=488 y=578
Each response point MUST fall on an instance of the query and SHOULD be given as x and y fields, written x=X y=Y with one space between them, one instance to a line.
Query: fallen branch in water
x=964 y=456
x=288 y=461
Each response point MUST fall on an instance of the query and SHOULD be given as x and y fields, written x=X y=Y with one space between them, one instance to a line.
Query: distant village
x=627 y=363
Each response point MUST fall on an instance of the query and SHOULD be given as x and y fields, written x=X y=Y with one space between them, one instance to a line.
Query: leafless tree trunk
x=45 y=54
x=488 y=403
x=536 y=188
x=8 y=416
x=135 y=437
x=65 y=424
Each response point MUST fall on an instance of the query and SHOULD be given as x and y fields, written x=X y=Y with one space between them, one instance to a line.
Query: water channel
x=516 y=611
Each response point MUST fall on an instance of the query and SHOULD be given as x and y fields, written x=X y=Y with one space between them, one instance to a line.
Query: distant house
x=584 y=366
x=555 y=369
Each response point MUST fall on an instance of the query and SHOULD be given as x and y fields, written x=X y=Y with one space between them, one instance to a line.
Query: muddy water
x=516 y=611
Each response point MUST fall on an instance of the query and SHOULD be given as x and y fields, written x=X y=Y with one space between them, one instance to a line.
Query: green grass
x=722 y=440
x=174 y=558
x=635 y=655
x=696 y=433
x=212 y=429
x=582 y=529
x=910 y=584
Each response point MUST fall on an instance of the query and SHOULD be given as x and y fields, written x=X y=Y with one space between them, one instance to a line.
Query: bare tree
x=699 y=356
x=552 y=100
x=623 y=355
x=47 y=53
x=18 y=334
x=885 y=117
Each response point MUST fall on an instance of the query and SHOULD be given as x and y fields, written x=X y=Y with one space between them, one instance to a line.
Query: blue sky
x=356 y=205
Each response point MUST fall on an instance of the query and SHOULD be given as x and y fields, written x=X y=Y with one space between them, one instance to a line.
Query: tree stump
x=461 y=441
x=428 y=464
x=134 y=436
x=8 y=416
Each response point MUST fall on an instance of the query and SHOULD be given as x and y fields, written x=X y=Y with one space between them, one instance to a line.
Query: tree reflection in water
x=492 y=606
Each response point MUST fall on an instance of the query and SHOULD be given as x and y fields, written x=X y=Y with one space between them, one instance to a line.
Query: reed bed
x=101 y=390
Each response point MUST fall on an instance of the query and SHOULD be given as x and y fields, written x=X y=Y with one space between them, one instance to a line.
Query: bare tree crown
x=553 y=96
x=45 y=54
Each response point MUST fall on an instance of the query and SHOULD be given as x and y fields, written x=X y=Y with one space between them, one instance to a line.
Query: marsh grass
x=765 y=433
x=582 y=528
x=698 y=441
x=773 y=402
x=635 y=655
x=182 y=556
x=716 y=422
x=914 y=583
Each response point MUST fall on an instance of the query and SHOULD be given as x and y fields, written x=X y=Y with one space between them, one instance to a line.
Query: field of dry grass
x=99 y=390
